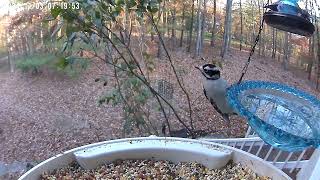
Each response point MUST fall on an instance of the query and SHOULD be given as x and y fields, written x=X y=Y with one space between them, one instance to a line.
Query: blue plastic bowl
x=283 y=116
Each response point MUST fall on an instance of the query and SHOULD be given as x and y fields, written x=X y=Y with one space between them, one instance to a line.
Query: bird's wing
x=215 y=106
x=223 y=115
x=205 y=92
x=212 y=102
x=227 y=119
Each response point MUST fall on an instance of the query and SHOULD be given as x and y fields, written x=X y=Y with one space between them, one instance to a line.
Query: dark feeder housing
x=286 y=15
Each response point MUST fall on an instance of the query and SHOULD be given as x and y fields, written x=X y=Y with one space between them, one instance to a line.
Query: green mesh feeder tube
x=282 y=116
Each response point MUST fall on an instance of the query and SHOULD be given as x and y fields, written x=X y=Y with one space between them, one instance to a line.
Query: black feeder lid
x=297 y=24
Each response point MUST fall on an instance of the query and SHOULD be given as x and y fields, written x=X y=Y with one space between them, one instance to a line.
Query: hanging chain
x=245 y=68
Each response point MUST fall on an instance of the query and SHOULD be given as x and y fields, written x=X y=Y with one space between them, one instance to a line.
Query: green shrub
x=34 y=63
x=71 y=66
x=3 y=52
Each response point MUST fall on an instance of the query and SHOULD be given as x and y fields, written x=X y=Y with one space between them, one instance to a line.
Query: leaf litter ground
x=41 y=116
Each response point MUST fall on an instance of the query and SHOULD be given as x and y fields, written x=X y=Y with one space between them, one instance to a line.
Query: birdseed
x=151 y=169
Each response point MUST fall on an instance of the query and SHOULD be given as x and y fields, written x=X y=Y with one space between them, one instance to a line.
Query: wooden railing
x=289 y=162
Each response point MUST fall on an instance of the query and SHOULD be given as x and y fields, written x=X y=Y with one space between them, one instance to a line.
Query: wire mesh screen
x=282 y=116
x=165 y=89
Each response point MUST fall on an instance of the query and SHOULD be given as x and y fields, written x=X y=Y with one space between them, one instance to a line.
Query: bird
x=215 y=89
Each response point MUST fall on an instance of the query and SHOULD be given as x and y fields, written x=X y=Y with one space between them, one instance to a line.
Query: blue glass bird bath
x=283 y=116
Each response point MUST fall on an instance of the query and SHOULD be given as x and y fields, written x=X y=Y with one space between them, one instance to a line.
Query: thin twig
x=174 y=70
x=142 y=78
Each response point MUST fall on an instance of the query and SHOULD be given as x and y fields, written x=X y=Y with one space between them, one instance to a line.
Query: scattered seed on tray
x=151 y=169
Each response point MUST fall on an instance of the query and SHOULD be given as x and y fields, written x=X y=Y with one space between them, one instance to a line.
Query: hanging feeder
x=282 y=116
x=286 y=15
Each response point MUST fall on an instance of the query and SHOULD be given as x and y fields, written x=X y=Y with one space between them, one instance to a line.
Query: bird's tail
x=227 y=120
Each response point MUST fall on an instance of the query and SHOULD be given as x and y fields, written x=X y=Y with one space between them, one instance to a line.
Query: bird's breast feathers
x=216 y=86
x=216 y=90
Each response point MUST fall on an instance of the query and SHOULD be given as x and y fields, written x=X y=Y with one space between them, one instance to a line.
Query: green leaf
x=56 y=11
x=62 y=63
x=70 y=15
x=123 y=65
x=57 y=28
x=84 y=39
x=101 y=101
x=131 y=3
x=141 y=98
x=70 y=29
x=72 y=38
x=119 y=2
x=64 y=46
x=59 y=38
x=116 y=10
x=134 y=81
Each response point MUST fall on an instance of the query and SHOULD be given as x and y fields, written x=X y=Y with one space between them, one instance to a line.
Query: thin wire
x=245 y=68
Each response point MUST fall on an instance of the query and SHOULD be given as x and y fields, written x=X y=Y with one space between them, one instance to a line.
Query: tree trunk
x=10 y=60
x=241 y=25
x=30 y=43
x=311 y=49
x=309 y=69
x=263 y=42
x=227 y=28
x=312 y=38
x=182 y=25
x=318 y=51
x=198 y=42
x=280 y=47
x=152 y=35
x=203 y=14
x=126 y=23
x=286 y=51
x=191 y=27
x=213 y=32
x=167 y=23
x=163 y=19
x=260 y=41
x=173 y=30
x=253 y=23
x=24 y=44
x=274 y=43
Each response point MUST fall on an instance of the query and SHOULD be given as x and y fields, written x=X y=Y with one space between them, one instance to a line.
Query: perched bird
x=215 y=88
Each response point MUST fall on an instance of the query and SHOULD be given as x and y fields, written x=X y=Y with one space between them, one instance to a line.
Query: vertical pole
x=310 y=170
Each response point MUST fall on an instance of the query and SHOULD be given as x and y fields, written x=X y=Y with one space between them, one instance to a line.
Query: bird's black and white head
x=210 y=71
